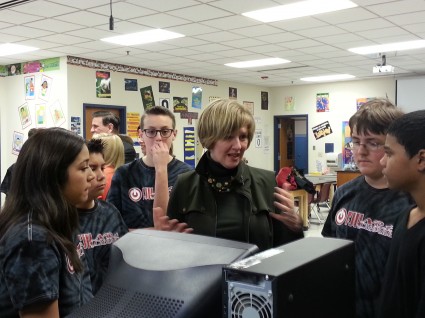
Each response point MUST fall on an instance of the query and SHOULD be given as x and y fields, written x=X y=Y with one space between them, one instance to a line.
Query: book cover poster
x=180 y=104
x=197 y=97
x=264 y=100
x=189 y=145
x=322 y=130
x=29 y=82
x=164 y=87
x=24 y=115
x=289 y=103
x=103 y=84
x=45 y=87
x=322 y=102
x=361 y=101
x=18 y=141
x=57 y=114
x=40 y=115
x=148 y=99
x=130 y=84
x=233 y=93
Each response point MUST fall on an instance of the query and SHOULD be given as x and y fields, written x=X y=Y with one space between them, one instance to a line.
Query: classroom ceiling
x=216 y=33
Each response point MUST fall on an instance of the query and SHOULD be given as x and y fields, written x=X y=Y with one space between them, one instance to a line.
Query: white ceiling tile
x=231 y=22
x=164 y=5
x=44 y=9
x=243 y=43
x=376 y=23
x=122 y=10
x=15 y=17
x=65 y=39
x=52 y=24
x=85 y=18
x=25 y=31
x=160 y=20
x=199 y=13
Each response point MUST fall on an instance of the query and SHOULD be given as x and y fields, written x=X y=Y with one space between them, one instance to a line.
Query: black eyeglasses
x=369 y=145
x=165 y=133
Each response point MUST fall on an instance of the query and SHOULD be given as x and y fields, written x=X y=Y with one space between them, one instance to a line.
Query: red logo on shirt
x=135 y=194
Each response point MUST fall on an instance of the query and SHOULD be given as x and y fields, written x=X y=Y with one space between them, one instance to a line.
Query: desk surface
x=318 y=179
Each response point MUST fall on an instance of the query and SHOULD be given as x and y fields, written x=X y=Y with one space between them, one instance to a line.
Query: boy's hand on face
x=160 y=154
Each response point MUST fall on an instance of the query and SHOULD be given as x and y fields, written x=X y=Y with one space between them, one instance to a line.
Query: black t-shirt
x=366 y=216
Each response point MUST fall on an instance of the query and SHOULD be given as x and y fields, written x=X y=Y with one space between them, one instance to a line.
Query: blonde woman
x=113 y=153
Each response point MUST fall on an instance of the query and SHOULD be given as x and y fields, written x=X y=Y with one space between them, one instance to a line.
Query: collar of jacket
x=202 y=170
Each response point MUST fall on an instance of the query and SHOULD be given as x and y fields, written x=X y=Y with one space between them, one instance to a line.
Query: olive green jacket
x=192 y=201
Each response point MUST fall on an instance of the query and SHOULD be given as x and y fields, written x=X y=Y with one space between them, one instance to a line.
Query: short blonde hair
x=222 y=118
x=113 y=149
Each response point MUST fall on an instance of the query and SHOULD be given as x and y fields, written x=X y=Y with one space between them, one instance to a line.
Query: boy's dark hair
x=32 y=131
x=95 y=146
x=409 y=131
x=374 y=117
x=108 y=118
x=157 y=110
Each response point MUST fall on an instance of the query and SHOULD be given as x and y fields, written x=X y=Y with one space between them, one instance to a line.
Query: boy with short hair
x=365 y=210
x=144 y=184
x=403 y=292
x=101 y=223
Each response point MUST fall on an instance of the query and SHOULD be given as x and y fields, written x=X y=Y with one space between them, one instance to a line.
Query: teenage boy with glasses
x=144 y=184
x=364 y=210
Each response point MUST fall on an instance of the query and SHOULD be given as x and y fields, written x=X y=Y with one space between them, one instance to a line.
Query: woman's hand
x=163 y=223
x=284 y=201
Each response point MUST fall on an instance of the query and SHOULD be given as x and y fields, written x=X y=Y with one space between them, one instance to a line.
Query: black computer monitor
x=157 y=274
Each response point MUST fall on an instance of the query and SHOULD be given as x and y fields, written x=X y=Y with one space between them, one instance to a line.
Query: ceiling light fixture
x=327 y=78
x=13 y=49
x=143 y=37
x=390 y=47
x=299 y=9
x=256 y=63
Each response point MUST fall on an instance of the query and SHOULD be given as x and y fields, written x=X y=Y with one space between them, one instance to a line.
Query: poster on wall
x=233 y=93
x=347 y=146
x=24 y=115
x=14 y=69
x=103 y=84
x=130 y=84
x=361 y=101
x=45 y=87
x=196 y=97
x=189 y=145
x=29 y=82
x=40 y=115
x=289 y=103
x=322 y=102
x=18 y=141
x=164 y=102
x=57 y=113
x=264 y=100
x=133 y=121
x=76 y=124
x=164 y=87
x=180 y=104
x=322 y=130
x=147 y=97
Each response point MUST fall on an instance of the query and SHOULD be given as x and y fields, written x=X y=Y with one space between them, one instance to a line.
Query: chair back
x=323 y=195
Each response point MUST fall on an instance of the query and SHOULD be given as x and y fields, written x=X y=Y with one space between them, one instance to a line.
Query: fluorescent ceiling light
x=327 y=78
x=299 y=9
x=143 y=37
x=12 y=49
x=399 y=46
x=255 y=63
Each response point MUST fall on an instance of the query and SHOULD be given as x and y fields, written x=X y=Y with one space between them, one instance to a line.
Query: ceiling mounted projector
x=383 y=69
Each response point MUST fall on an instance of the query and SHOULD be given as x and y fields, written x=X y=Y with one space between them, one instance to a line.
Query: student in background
x=226 y=198
x=107 y=122
x=364 y=210
x=101 y=223
x=113 y=154
x=143 y=184
x=403 y=292
x=41 y=273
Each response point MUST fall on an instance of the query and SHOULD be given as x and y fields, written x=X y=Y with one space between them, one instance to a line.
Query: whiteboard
x=410 y=93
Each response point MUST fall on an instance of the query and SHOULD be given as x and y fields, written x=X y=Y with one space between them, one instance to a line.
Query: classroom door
x=291 y=142
x=89 y=109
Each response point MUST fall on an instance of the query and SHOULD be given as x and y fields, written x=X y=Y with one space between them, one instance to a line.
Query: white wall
x=81 y=89
x=342 y=96
x=12 y=96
